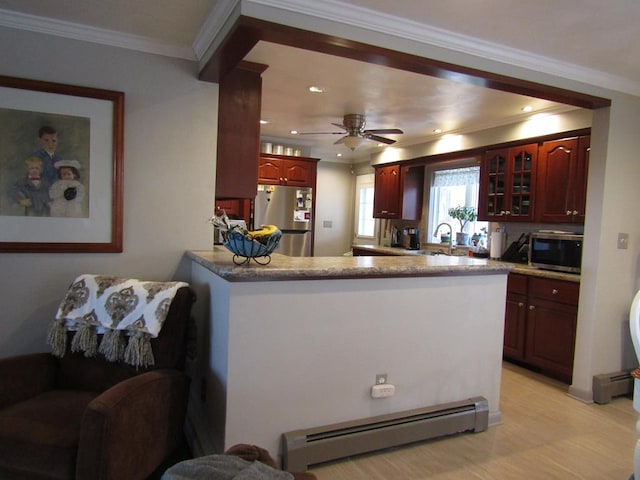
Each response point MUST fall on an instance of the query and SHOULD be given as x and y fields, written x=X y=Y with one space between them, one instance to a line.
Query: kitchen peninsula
x=298 y=343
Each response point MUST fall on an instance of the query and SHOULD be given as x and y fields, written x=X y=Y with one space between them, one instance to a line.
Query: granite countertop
x=220 y=261
x=521 y=268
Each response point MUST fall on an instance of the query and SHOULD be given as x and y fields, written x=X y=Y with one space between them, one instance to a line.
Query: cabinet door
x=507 y=182
x=386 y=199
x=557 y=181
x=581 y=177
x=269 y=171
x=514 y=326
x=298 y=173
x=493 y=178
x=521 y=178
x=551 y=336
x=412 y=188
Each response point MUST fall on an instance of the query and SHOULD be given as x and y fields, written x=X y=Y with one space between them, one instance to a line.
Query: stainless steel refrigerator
x=289 y=208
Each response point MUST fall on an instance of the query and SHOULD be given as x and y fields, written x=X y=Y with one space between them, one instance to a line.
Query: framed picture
x=61 y=167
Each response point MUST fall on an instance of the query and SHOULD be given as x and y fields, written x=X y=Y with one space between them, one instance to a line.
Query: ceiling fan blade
x=387 y=131
x=320 y=133
x=340 y=140
x=376 y=138
x=340 y=126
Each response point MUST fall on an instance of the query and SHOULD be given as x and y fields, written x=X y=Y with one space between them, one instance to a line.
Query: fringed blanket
x=128 y=312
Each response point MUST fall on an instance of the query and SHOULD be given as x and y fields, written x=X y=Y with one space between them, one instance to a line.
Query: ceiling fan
x=353 y=125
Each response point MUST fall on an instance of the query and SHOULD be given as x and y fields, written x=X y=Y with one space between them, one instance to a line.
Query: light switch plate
x=623 y=241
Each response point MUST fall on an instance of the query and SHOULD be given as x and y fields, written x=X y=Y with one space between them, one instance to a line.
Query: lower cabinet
x=366 y=252
x=540 y=324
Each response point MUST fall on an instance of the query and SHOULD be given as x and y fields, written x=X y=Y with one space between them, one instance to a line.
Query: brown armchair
x=87 y=418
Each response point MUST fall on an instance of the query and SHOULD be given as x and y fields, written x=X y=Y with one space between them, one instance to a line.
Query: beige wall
x=169 y=174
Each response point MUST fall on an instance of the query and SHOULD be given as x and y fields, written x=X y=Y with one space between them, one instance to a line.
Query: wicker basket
x=243 y=246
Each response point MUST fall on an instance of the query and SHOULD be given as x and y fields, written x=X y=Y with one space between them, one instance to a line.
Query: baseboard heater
x=301 y=448
x=609 y=385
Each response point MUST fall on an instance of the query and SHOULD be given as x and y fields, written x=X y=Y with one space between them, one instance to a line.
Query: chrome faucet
x=435 y=234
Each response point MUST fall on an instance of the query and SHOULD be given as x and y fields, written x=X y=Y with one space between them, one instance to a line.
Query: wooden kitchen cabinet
x=562 y=180
x=398 y=192
x=507 y=184
x=515 y=317
x=540 y=324
x=366 y=252
x=235 y=209
x=285 y=170
x=386 y=197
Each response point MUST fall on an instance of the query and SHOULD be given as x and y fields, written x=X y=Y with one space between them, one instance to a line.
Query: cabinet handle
x=286 y=179
x=520 y=304
x=532 y=307
x=507 y=212
x=554 y=291
x=281 y=179
x=568 y=212
x=575 y=212
x=502 y=212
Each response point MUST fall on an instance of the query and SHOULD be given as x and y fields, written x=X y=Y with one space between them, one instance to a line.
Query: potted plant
x=464 y=215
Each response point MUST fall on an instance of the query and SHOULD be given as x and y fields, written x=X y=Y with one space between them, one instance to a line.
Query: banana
x=263 y=234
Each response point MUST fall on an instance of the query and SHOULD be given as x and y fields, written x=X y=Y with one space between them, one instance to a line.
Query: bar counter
x=298 y=343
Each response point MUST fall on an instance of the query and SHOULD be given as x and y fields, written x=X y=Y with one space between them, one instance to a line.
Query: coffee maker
x=414 y=238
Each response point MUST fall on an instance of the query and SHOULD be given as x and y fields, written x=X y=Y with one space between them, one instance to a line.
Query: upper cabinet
x=398 y=192
x=562 y=180
x=285 y=170
x=386 y=199
x=507 y=184
x=542 y=183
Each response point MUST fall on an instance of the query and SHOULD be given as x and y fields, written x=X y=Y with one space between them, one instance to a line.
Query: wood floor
x=545 y=435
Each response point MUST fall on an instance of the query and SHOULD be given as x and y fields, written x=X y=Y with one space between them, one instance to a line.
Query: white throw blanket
x=118 y=308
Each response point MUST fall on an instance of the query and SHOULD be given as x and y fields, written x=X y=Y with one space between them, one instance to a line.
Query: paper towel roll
x=496 y=245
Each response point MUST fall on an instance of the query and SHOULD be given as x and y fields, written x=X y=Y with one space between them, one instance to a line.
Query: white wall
x=334 y=204
x=169 y=174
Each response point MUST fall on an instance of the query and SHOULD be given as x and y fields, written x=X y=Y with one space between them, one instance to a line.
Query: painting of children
x=51 y=139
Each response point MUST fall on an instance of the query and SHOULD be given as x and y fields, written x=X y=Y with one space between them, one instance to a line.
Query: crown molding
x=59 y=28
x=212 y=26
x=344 y=13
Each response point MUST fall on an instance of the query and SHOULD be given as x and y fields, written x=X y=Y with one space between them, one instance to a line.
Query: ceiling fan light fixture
x=316 y=89
x=353 y=142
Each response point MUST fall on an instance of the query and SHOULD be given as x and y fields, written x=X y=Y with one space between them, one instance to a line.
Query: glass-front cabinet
x=507 y=184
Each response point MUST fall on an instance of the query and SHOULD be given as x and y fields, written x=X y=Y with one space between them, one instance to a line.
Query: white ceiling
x=587 y=40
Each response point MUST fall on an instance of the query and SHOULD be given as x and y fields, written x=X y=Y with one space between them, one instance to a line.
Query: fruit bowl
x=248 y=247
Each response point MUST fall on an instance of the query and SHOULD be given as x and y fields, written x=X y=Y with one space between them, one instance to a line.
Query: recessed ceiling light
x=527 y=108
x=338 y=154
x=437 y=130
x=316 y=89
x=293 y=132
x=264 y=122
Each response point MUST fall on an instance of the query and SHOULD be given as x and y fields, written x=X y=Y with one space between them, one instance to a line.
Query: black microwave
x=556 y=251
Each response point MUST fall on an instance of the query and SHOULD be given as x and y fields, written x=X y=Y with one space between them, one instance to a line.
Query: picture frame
x=92 y=135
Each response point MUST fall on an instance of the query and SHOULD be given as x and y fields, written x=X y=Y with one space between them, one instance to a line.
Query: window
x=365 y=223
x=450 y=188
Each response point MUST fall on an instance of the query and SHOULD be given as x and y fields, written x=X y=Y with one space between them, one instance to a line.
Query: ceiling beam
x=247 y=31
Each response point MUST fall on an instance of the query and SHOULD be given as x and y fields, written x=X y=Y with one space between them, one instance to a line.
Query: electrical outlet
x=383 y=390
x=623 y=241
x=381 y=378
